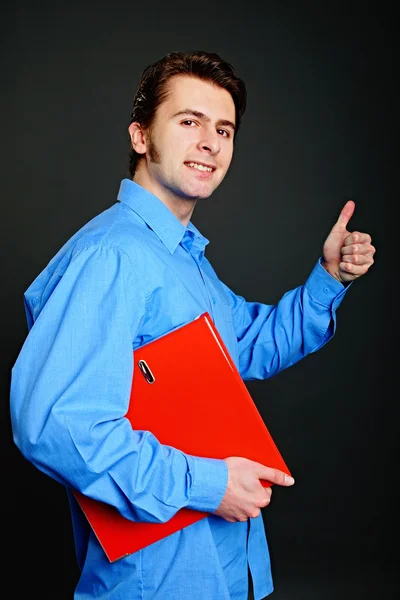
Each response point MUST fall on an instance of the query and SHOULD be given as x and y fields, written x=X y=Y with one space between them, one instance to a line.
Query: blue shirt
x=129 y=275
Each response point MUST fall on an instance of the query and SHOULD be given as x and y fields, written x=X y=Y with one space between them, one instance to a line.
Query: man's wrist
x=208 y=482
x=333 y=271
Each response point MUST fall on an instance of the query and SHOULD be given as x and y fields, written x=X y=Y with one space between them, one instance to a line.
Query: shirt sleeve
x=274 y=337
x=70 y=389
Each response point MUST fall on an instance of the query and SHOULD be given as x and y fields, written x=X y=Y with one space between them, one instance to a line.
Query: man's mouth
x=202 y=167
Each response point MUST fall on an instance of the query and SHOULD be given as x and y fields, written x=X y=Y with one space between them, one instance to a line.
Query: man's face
x=190 y=142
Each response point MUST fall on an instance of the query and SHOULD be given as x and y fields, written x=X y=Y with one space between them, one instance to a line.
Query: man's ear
x=138 y=137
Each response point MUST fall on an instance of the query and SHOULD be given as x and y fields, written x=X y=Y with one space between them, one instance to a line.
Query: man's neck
x=180 y=207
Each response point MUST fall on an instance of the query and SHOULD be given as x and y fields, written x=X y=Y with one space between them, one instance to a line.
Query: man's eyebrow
x=200 y=115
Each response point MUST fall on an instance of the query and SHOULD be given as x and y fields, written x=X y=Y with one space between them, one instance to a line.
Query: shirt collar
x=160 y=219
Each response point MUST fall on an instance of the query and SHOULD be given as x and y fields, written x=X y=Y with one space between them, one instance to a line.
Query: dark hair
x=153 y=90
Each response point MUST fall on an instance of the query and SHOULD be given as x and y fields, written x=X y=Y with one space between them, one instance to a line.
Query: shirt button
x=326 y=290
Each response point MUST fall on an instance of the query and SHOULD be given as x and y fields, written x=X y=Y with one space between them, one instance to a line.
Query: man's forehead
x=198 y=94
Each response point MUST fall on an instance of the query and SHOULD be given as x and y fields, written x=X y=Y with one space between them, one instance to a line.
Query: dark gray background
x=320 y=128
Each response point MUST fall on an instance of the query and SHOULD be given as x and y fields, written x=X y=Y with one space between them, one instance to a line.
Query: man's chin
x=198 y=193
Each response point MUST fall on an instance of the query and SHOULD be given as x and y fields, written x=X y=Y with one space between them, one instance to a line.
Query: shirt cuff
x=324 y=288
x=208 y=483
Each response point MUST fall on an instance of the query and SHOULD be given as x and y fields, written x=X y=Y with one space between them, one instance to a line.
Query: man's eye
x=188 y=121
x=224 y=132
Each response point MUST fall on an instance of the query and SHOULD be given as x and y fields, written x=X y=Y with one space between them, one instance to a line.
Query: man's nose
x=210 y=143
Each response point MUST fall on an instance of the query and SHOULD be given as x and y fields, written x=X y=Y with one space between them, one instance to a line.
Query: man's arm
x=274 y=337
x=70 y=390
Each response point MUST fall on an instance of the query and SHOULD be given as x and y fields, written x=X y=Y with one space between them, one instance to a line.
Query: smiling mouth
x=200 y=167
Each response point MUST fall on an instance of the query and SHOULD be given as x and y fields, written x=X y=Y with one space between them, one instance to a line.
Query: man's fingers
x=274 y=476
x=358 y=259
x=367 y=249
x=357 y=237
x=266 y=499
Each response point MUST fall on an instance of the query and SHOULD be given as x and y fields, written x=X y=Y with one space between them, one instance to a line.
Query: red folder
x=188 y=392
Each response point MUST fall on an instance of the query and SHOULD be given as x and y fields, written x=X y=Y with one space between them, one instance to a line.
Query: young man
x=134 y=272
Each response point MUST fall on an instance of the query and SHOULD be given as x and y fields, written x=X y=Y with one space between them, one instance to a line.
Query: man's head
x=186 y=113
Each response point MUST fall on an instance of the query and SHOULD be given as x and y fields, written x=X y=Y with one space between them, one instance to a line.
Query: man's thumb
x=345 y=215
x=275 y=476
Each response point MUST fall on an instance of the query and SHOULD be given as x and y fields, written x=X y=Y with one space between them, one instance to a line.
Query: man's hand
x=347 y=256
x=245 y=495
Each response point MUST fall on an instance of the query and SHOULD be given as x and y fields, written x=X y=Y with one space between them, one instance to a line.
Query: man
x=134 y=272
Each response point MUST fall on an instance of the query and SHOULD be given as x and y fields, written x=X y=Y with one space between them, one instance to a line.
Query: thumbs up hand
x=347 y=255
